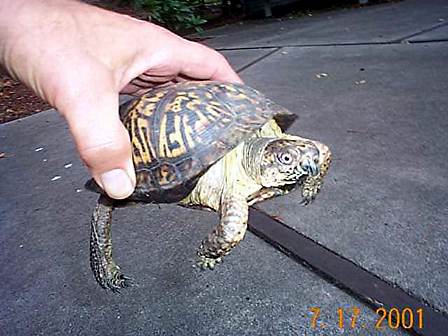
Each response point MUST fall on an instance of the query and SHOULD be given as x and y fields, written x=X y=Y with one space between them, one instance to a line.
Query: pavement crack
x=301 y=46
x=429 y=41
x=423 y=31
x=324 y=45
x=258 y=59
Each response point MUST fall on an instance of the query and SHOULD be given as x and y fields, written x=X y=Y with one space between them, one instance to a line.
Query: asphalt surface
x=382 y=107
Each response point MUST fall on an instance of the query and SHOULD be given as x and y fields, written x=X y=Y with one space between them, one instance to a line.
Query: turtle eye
x=285 y=158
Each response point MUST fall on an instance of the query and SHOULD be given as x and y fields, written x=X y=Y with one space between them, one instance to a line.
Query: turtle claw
x=117 y=285
x=114 y=280
x=307 y=200
x=121 y=282
x=207 y=262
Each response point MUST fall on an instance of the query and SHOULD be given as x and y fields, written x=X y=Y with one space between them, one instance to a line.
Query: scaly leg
x=228 y=233
x=313 y=184
x=264 y=194
x=106 y=272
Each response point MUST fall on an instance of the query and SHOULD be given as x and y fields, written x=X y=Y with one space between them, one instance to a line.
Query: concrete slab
x=47 y=287
x=439 y=34
x=379 y=23
x=383 y=111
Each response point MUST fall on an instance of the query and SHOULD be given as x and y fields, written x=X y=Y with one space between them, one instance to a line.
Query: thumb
x=102 y=141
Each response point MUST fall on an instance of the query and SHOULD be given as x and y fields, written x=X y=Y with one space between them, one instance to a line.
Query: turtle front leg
x=106 y=272
x=313 y=184
x=227 y=234
x=264 y=194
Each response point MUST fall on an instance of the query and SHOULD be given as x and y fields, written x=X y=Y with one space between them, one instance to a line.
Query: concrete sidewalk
x=383 y=110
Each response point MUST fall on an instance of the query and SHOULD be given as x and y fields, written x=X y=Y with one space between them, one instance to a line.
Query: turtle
x=214 y=145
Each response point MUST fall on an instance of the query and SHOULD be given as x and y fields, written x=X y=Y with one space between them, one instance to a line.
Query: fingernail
x=117 y=183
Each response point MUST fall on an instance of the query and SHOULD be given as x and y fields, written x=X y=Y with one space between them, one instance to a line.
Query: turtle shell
x=178 y=131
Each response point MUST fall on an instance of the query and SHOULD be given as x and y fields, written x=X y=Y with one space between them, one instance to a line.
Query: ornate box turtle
x=214 y=145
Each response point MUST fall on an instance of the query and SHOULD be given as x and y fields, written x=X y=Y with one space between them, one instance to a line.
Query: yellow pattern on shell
x=214 y=110
x=177 y=104
x=163 y=144
x=148 y=110
x=188 y=131
x=145 y=153
x=202 y=123
x=176 y=136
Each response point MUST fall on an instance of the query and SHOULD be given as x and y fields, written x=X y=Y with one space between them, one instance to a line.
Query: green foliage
x=174 y=14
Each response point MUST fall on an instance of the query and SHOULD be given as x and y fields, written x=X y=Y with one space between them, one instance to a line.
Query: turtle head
x=285 y=162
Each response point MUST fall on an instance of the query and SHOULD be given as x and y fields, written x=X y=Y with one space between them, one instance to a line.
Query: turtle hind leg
x=107 y=273
x=227 y=234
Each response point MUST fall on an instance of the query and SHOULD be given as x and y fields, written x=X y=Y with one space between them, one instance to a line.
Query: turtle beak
x=309 y=166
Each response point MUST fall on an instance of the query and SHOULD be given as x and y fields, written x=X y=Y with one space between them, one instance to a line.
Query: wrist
x=9 y=8
x=21 y=22
x=9 y=12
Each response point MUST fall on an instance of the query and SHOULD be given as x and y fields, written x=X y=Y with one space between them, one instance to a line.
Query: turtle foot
x=118 y=282
x=306 y=200
x=113 y=279
x=208 y=262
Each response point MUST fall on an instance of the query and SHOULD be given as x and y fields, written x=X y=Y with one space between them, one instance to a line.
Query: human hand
x=79 y=58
